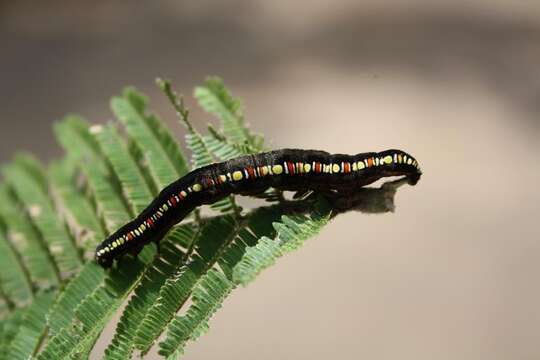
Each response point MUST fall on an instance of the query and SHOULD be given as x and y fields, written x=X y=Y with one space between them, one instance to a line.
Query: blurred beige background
x=453 y=274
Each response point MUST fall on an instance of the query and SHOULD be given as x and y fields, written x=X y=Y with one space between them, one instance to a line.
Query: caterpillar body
x=287 y=169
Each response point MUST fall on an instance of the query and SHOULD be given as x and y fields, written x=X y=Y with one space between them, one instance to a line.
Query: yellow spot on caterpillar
x=143 y=227
x=223 y=178
x=354 y=167
x=165 y=207
x=237 y=175
x=197 y=187
x=361 y=165
x=400 y=158
x=307 y=168
x=264 y=170
x=277 y=169
x=387 y=159
x=409 y=161
x=335 y=168
x=376 y=161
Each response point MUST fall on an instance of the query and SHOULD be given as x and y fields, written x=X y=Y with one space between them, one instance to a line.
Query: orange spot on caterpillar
x=370 y=162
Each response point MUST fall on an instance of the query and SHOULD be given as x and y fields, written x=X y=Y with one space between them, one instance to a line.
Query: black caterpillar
x=287 y=169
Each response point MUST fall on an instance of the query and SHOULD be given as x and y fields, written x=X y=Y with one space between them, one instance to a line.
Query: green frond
x=292 y=231
x=130 y=110
x=213 y=238
x=30 y=185
x=4 y=312
x=14 y=279
x=72 y=132
x=147 y=292
x=83 y=149
x=32 y=330
x=214 y=97
x=200 y=155
x=134 y=186
x=169 y=144
x=257 y=225
x=76 y=340
x=10 y=327
x=207 y=298
x=86 y=281
x=24 y=238
x=75 y=207
x=221 y=148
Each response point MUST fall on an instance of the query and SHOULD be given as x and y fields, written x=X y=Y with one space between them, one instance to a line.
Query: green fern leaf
x=292 y=231
x=130 y=109
x=86 y=281
x=10 y=327
x=221 y=148
x=147 y=291
x=207 y=298
x=214 y=97
x=93 y=313
x=134 y=186
x=213 y=238
x=14 y=279
x=138 y=194
x=82 y=148
x=30 y=185
x=32 y=330
x=4 y=312
x=22 y=235
x=72 y=132
x=74 y=207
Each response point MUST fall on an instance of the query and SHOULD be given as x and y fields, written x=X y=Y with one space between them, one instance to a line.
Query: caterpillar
x=287 y=169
